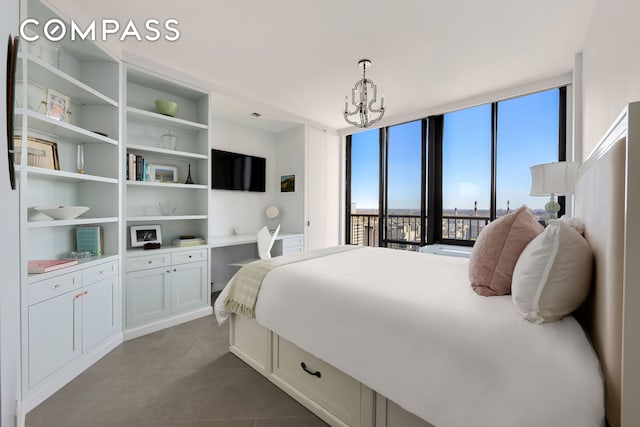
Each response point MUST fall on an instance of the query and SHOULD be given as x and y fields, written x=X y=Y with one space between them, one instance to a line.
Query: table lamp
x=272 y=213
x=551 y=179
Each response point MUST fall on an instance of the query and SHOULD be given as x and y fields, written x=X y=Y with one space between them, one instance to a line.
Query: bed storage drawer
x=333 y=390
x=250 y=342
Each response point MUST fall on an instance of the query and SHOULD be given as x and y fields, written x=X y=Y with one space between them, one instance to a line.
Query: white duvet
x=409 y=326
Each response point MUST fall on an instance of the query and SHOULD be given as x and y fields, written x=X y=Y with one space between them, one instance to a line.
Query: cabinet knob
x=56 y=286
x=149 y=261
x=190 y=256
x=175 y=269
x=168 y=271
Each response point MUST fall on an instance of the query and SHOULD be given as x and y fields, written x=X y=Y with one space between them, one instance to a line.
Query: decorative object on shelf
x=287 y=183
x=238 y=231
x=37 y=266
x=184 y=241
x=63 y=212
x=360 y=99
x=80 y=254
x=272 y=213
x=169 y=140
x=166 y=209
x=163 y=173
x=12 y=53
x=90 y=239
x=144 y=234
x=189 y=180
x=57 y=105
x=40 y=153
x=551 y=179
x=80 y=158
x=166 y=107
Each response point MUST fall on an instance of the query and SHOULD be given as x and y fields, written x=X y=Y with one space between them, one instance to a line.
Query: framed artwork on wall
x=287 y=183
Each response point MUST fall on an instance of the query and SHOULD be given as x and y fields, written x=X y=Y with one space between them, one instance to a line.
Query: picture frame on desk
x=144 y=234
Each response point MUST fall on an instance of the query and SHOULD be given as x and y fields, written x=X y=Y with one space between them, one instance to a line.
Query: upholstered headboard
x=608 y=202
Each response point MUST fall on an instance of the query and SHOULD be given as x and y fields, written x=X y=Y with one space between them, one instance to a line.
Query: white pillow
x=552 y=277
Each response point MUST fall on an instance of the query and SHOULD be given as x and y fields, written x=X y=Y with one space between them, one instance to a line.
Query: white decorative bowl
x=63 y=212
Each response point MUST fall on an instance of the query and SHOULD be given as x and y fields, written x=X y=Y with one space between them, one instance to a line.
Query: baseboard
x=64 y=376
x=158 y=325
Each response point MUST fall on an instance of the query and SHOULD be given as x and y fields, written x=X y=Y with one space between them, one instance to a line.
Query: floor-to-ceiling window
x=477 y=172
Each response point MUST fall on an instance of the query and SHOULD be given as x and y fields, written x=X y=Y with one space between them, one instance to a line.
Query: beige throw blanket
x=245 y=285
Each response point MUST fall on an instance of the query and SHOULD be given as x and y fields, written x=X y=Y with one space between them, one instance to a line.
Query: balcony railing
x=404 y=231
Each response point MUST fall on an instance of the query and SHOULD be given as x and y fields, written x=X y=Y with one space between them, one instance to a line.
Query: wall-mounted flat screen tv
x=235 y=171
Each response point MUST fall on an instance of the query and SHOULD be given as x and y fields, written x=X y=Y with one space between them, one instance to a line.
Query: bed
x=360 y=318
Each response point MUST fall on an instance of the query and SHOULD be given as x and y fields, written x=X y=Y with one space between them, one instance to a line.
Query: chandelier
x=363 y=107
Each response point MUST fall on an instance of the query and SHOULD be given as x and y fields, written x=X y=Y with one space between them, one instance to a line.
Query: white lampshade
x=553 y=178
x=272 y=212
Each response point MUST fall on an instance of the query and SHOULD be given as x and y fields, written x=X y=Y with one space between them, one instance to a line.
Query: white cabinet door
x=148 y=295
x=322 y=189
x=54 y=334
x=189 y=282
x=98 y=312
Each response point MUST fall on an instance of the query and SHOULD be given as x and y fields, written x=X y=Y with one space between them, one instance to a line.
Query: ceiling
x=300 y=56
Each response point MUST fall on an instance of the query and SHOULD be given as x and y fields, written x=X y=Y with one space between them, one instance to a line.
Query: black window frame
x=431 y=175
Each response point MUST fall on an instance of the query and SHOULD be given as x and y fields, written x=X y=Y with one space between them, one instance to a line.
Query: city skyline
x=527 y=134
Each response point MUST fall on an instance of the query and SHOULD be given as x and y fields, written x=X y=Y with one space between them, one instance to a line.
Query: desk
x=229 y=249
x=242 y=239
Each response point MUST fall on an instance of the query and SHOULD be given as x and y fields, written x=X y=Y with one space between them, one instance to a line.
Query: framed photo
x=40 y=152
x=58 y=105
x=143 y=234
x=287 y=183
x=163 y=173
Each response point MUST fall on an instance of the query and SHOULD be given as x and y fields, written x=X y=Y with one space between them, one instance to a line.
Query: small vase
x=80 y=159
x=189 y=180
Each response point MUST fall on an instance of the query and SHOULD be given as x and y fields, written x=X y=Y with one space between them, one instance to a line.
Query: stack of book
x=136 y=167
x=183 y=241
x=37 y=266
x=90 y=239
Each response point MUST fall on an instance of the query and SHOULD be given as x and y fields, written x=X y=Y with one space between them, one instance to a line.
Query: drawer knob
x=56 y=286
x=190 y=256
x=304 y=368
x=149 y=261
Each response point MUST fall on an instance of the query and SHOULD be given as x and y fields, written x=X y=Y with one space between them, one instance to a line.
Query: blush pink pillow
x=497 y=250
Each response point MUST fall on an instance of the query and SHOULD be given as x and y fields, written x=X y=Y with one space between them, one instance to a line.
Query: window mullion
x=494 y=159
x=382 y=195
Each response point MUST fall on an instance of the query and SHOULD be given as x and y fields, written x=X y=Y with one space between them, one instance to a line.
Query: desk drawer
x=292 y=241
x=335 y=391
x=292 y=250
x=45 y=289
x=149 y=261
x=99 y=272
x=189 y=256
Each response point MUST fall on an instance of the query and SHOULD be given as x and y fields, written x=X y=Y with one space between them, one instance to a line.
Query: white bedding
x=409 y=326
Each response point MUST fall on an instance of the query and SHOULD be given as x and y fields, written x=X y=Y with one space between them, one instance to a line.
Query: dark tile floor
x=182 y=376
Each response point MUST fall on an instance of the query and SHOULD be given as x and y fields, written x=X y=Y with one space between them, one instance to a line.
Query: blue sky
x=527 y=135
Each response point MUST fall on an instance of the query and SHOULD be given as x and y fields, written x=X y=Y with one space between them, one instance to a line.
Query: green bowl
x=166 y=107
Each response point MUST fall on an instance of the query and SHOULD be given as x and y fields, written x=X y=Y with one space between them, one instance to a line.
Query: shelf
x=133 y=252
x=166 y=152
x=70 y=222
x=165 y=218
x=50 y=77
x=63 y=130
x=156 y=119
x=66 y=176
x=166 y=185
x=82 y=264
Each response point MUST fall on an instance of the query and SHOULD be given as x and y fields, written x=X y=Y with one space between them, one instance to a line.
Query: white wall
x=10 y=282
x=243 y=209
x=611 y=66
x=290 y=151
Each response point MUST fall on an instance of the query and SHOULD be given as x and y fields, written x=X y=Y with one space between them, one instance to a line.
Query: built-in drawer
x=148 y=261
x=292 y=241
x=332 y=389
x=49 y=288
x=292 y=250
x=99 y=272
x=189 y=256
